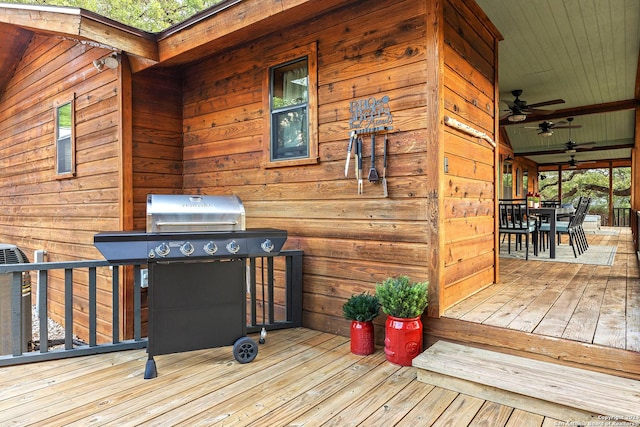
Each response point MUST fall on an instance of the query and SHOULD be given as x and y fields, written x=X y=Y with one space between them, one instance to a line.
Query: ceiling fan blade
x=539 y=111
x=566 y=127
x=585 y=144
x=544 y=103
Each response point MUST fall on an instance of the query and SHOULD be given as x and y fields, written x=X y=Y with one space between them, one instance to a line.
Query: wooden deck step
x=561 y=392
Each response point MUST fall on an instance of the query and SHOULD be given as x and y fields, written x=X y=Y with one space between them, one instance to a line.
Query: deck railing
x=621 y=217
x=282 y=311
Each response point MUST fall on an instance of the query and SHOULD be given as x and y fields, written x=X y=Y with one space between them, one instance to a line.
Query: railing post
x=43 y=308
x=16 y=314
x=93 y=323
x=115 y=304
x=294 y=288
x=68 y=308
x=137 y=303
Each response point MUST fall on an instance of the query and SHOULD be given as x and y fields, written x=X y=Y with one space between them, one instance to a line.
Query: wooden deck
x=567 y=313
x=592 y=311
x=300 y=377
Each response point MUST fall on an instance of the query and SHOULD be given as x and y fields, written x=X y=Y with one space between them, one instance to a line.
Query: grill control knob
x=187 y=249
x=210 y=248
x=233 y=247
x=267 y=246
x=163 y=249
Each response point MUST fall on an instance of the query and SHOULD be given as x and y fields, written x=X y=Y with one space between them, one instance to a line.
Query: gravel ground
x=56 y=330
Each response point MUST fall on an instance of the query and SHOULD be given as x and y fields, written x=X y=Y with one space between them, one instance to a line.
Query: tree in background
x=592 y=183
x=148 y=15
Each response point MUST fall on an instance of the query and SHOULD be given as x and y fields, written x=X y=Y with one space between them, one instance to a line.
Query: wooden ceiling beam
x=606 y=107
x=577 y=149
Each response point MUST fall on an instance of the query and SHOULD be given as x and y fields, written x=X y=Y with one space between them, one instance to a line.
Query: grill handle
x=170 y=223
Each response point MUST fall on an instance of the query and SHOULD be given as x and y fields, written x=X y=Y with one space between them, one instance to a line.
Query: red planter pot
x=362 y=342
x=403 y=339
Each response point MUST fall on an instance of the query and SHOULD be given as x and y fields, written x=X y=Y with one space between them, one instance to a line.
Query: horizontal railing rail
x=261 y=276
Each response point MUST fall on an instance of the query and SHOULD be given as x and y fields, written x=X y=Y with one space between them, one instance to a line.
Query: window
x=292 y=106
x=65 y=140
x=289 y=111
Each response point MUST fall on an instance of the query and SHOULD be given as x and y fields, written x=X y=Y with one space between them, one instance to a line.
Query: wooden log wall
x=40 y=211
x=351 y=242
x=470 y=96
x=157 y=138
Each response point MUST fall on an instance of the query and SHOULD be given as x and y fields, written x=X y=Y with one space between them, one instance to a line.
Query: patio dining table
x=553 y=214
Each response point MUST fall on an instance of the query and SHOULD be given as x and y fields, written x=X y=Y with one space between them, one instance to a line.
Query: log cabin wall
x=351 y=242
x=470 y=96
x=157 y=138
x=39 y=209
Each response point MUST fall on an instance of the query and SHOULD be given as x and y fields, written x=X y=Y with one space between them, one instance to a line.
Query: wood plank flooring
x=554 y=390
x=586 y=303
x=300 y=378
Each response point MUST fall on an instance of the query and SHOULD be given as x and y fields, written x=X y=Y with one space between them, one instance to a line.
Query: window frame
x=72 y=137
x=309 y=52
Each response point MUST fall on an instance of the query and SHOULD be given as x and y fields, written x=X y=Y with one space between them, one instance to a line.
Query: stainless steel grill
x=191 y=227
x=181 y=213
x=196 y=249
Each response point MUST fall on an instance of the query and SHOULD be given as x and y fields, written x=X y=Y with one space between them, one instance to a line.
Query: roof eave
x=83 y=25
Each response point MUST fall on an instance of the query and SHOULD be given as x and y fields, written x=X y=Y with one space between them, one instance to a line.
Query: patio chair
x=515 y=220
x=572 y=228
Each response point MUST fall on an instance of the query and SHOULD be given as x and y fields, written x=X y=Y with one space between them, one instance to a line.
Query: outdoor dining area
x=540 y=227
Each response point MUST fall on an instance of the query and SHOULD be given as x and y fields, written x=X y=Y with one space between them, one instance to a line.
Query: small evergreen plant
x=400 y=297
x=362 y=308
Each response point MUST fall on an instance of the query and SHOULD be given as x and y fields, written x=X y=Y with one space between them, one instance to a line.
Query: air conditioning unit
x=11 y=254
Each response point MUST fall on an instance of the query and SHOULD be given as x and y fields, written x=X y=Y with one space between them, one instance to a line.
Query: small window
x=290 y=111
x=292 y=106
x=65 y=140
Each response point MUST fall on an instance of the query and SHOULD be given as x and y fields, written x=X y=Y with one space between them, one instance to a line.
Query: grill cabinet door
x=195 y=305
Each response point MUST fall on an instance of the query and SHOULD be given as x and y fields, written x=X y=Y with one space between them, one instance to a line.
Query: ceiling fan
x=571 y=146
x=519 y=109
x=573 y=163
x=546 y=128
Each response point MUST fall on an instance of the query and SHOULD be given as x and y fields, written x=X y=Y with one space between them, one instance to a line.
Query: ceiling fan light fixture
x=546 y=132
x=515 y=118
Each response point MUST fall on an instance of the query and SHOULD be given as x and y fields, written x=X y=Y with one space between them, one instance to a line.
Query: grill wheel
x=245 y=350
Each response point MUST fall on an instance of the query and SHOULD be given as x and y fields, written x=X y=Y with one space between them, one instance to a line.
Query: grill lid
x=183 y=213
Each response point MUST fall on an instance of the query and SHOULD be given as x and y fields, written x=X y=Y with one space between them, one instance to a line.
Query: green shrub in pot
x=361 y=308
x=399 y=297
x=404 y=302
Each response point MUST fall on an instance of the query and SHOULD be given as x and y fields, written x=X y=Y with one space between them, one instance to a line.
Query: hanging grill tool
x=385 y=192
x=373 y=173
x=356 y=146
x=360 y=182
x=352 y=138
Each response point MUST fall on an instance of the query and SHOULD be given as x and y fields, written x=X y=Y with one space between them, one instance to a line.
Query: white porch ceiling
x=582 y=51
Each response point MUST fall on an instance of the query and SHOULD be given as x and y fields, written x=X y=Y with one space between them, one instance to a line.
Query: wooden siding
x=353 y=241
x=199 y=128
x=350 y=241
x=40 y=211
x=157 y=138
x=469 y=191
